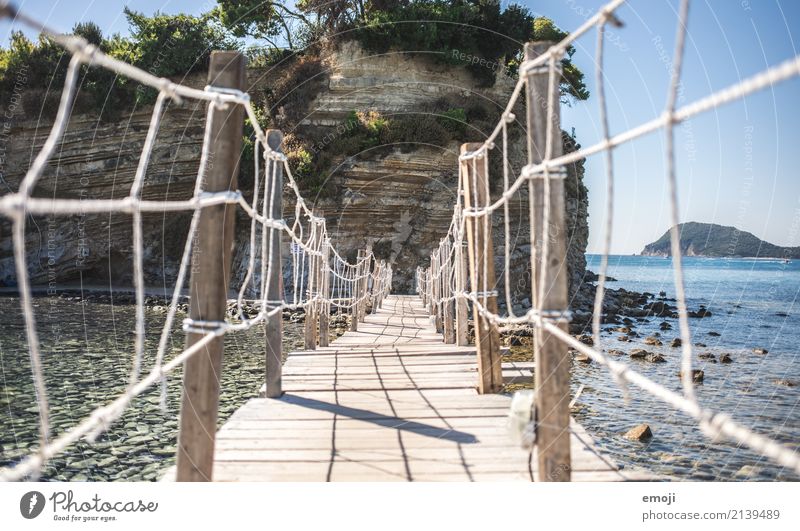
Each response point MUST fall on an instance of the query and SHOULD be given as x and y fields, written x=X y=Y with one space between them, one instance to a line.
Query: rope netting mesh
x=441 y=283
x=334 y=287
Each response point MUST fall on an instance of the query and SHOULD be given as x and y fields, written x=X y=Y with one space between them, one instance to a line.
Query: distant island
x=709 y=239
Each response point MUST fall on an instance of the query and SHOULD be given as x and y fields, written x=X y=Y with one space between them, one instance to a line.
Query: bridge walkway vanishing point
x=390 y=402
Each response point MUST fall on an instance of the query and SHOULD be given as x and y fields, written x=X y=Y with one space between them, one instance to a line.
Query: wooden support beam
x=211 y=265
x=325 y=307
x=354 y=310
x=362 y=308
x=448 y=309
x=313 y=283
x=549 y=277
x=482 y=277
x=462 y=330
x=273 y=330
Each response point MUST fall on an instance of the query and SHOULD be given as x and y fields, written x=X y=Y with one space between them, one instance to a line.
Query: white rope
x=307 y=234
x=428 y=280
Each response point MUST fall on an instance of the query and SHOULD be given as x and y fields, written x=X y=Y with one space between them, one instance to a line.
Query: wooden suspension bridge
x=389 y=402
x=401 y=396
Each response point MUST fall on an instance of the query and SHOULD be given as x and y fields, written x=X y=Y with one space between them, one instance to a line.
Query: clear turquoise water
x=753 y=305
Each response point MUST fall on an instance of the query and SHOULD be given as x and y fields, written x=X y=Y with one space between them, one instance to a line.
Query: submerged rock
x=725 y=358
x=697 y=375
x=639 y=354
x=760 y=351
x=652 y=340
x=785 y=382
x=675 y=343
x=640 y=433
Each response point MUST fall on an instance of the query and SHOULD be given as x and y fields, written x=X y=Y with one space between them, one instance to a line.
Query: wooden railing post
x=354 y=310
x=482 y=277
x=376 y=285
x=313 y=283
x=429 y=287
x=462 y=332
x=362 y=308
x=273 y=290
x=384 y=284
x=210 y=276
x=449 y=305
x=325 y=308
x=437 y=291
x=552 y=358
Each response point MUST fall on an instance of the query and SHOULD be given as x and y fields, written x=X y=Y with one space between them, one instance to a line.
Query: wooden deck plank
x=390 y=402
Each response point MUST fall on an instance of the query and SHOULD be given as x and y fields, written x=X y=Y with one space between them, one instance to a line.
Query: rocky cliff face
x=400 y=199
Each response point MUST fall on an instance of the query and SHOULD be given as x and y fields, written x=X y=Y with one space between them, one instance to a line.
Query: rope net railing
x=442 y=284
x=319 y=277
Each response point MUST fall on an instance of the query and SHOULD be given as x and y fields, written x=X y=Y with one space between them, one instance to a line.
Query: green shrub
x=454 y=121
x=164 y=45
x=480 y=34
x=417 y=129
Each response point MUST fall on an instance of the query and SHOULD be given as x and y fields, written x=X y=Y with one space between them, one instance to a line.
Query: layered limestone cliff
x=398 y=198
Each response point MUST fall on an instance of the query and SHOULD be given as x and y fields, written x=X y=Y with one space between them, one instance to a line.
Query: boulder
x=640 y=433
x=714 y=334
x=655 y=358
x=652 y=340
x=639 y=354
x=675 y=343
x=760 y=351
x=665 y=326
x=784 y=382
x=586 y=339
x=697 y=375
x=725 y=358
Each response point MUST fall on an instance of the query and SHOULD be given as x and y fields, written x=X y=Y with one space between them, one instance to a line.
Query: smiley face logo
x=31 y=504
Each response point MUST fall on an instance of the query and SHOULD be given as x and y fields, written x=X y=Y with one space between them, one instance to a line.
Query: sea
x=753 y=305
x=87 y=349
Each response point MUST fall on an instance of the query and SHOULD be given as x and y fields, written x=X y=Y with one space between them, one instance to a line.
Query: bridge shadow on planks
x=384 y=421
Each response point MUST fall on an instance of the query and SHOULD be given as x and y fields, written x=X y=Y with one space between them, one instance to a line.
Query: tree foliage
x=164 y=45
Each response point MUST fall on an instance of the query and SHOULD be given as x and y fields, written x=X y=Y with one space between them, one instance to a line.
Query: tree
x=167 y=45
x=260 y=19
x=572 y=83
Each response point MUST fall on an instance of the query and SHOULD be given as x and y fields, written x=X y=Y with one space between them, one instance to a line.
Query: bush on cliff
x=164 y=45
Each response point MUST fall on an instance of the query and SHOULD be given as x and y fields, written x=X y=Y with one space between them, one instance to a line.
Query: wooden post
x=376 y=286
x=314 y=276
x=354 y=311
x=362 y=308
x=325 y=309
x=449 y=305
x=551 y=356
x=210 y=275
x=429 y=288
x=481 y=261
x=437 y=292
x=273 y=330
x=384 y=285
x=462 y=332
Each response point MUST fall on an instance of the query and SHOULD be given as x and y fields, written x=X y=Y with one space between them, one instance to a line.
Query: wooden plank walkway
x=390 y=402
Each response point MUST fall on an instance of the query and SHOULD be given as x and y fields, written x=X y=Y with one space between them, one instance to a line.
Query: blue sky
x=736 y=165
